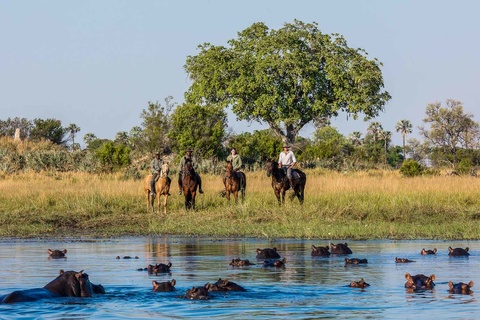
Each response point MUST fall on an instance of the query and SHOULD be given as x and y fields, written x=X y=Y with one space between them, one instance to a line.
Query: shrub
x=411 y=168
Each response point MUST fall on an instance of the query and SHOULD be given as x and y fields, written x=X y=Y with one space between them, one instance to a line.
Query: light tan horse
x=162 y=187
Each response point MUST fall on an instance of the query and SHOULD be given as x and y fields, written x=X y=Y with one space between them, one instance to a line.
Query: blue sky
x=98 y=63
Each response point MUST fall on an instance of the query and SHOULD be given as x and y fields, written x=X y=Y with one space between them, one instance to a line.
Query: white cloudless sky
x=98 y=63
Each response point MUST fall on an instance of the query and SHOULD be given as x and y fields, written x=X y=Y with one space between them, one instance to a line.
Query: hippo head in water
x=320 y=251
x=341 y=248
x=224 y=285
x=57 y=253
x=268 y=253
x=458 y=251
x=166 y=286
x=460 y=288
x=197 y=293
x=419 y=282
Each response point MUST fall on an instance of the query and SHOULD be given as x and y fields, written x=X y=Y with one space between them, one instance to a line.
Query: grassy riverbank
x=337 y=206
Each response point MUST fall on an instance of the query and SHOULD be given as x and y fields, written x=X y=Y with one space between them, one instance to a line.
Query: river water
x=306 y=288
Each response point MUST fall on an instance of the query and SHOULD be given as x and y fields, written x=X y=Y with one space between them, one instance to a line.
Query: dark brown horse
x=280 y=182
x=189 y=185
x=234 y=182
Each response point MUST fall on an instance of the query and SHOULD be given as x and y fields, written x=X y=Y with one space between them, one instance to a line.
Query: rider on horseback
x=156 y=167
x=287 y=161
x=185 y=158
x=237 y=164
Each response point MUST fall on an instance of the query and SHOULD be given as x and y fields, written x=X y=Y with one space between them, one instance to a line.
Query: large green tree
x=198 y=127
x=287 y=77
x=450 y=128
x=49 y=129
x=156 y=124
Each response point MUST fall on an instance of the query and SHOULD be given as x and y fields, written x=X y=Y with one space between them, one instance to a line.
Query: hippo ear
x=408 y=276
x=50 y=251
x=432 y=276
x=313 y=247
x=274 y=249
x=61 y=272
x=450 y=284
x=470 y=284
x=169 y=264
x=155 y=284
x=259 y=250
x=284 y=260
x=466 y=249
x=173 y=282
x=64 y=251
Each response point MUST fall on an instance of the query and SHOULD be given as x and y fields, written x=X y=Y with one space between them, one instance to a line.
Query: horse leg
x=165 y=197
x=277 y=194
x=192 y=202
x=147 y=192
x=235 y=195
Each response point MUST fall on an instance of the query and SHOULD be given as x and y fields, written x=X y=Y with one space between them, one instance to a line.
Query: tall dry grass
x=362 y=205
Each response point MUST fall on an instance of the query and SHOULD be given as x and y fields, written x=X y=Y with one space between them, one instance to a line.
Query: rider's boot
x=291 y=182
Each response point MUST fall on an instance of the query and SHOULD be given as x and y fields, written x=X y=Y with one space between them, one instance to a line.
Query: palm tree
x=386 y=136
x=375 y=129
x=404 y=127
x=356 y=138
x=73 y=129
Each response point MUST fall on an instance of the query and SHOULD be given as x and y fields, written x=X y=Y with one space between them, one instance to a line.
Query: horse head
x=271 y=166
x=188 y=169
x=165 y=170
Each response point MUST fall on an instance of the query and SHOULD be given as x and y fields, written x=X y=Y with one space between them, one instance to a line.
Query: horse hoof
x=201 y=191
x=179 y=192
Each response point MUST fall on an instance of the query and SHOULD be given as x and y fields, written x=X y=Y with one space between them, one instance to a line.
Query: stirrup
x=179 y=191
x=200 y=191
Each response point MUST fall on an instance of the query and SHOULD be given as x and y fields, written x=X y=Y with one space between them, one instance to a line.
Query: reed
x=362 y=205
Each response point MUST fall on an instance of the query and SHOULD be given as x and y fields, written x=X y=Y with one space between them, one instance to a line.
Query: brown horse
x=162 y=187
x=280 y=183
x=234 y=182
x=189 y=185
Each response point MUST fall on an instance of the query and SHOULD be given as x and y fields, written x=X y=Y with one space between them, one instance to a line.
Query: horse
x=234 y=182
x=189 y=185
x=162 y=187
x=280 y=182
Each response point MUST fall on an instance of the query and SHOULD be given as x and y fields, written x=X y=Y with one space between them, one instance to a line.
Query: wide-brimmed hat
x=157 y=153
x=189 y=150
x=286 y=146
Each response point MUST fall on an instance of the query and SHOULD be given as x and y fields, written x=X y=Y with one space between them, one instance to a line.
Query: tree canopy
x=287 y=77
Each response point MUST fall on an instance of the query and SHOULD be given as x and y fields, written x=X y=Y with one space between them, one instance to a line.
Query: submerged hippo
x=67 y=284
x=166 y=286
x=224 y=285
x=197 y=293
x=127 y=257
x=403 y=260
x=460 y=288
x=359 y=284
x=274 y=263
x=341 y=248
x=458 y=251
x=241 y=263
x=159 y=268
x=320 y=251
x=355 y=261
x=268 y=253
x=424 y=252
x=419 y=282
x=57 y=253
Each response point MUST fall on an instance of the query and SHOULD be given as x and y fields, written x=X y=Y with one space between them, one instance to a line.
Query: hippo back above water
x=224 y=285
x=67 y=284
x=341 y=248
x=268 y=253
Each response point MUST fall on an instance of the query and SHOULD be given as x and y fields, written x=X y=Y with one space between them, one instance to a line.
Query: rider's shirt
x=287 y=159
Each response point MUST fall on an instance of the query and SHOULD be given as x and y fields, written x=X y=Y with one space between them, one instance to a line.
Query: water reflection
x=308 y=287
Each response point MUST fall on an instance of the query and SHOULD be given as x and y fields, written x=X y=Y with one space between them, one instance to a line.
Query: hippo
x=268 y=253
x=458 y=251
x=355 y=261
x=320 y=251
x=241 y=263
x=359 y=284
x=159 y=268
x=127 y=257
x=224 y=285
x=403 y=260
x=54 y=254
x=274 y=263
x=460 y=288
x=424 y=252
x=66 y=284
x=166 y=286
x=341 y=248
x=419 y=282
x=197 y=293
